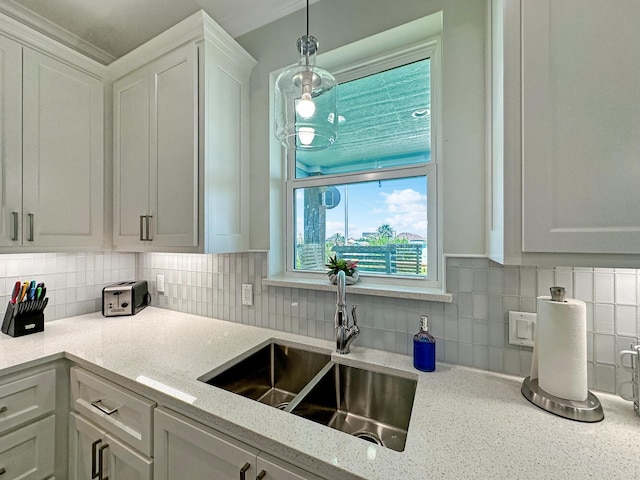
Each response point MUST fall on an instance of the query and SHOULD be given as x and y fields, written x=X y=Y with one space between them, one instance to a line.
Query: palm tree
x=336 y=239
x=385 y=231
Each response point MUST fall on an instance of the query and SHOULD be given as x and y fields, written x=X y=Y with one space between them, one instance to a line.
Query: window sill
x=363 y=287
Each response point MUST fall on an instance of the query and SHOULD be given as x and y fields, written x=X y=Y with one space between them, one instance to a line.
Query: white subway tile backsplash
x=604 y=287
x=626 y=320
x=626 y=288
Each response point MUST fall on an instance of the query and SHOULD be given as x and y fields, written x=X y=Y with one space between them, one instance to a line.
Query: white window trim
x=377 y=53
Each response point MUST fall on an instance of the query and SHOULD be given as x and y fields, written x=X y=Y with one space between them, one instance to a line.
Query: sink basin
x=273 y=375
x=370 y=405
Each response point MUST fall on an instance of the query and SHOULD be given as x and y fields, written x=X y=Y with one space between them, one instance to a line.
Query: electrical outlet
x=247 y=294
x=160 y=283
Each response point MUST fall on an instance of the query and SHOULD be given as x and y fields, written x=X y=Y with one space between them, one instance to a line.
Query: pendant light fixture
x=305 y=101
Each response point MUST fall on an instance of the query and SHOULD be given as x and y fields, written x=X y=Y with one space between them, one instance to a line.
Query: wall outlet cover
x=247 y=294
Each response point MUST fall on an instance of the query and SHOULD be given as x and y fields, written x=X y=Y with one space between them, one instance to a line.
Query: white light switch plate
x=524 y=335
x=160 y=283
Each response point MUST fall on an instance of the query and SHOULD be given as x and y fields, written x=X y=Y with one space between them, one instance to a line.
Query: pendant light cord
x=307 y=18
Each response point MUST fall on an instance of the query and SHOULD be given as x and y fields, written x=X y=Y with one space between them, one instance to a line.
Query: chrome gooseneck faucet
x=345 y=334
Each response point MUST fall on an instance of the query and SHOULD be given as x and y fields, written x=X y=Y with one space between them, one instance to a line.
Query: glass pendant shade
x=305 y=102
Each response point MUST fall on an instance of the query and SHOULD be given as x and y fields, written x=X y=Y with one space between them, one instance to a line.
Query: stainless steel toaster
x=125 y=298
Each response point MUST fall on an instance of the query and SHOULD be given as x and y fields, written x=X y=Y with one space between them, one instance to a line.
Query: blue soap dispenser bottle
x=424 y=347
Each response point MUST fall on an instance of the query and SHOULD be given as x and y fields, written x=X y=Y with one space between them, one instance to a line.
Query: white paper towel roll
x=560 y=352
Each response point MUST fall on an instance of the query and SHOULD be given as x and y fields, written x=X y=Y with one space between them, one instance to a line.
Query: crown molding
x=51 y=30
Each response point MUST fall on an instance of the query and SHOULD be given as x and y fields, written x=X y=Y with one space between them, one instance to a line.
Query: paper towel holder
x=589 y=411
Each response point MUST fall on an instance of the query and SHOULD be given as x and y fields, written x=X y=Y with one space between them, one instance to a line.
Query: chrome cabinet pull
x=98 y=404
x=14 y=235
x=261 y=475
x=243 y=471
x=149 y=217
x=142 y=227
x=30 y=238
x=3 y=409
x=100 y=462
x=94 y=453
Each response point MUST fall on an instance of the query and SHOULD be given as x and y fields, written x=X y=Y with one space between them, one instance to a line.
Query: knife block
x=19 y=324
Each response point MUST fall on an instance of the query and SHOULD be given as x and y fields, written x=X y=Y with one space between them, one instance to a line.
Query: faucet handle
x=353 y=314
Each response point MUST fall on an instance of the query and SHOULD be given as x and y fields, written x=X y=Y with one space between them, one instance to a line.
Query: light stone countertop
x=465 y=423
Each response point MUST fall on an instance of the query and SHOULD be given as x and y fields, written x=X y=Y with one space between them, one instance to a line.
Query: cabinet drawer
x=27 y=398
x=123 y=413
x=28 y=453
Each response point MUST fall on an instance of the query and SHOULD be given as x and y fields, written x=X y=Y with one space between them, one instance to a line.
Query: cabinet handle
x=261 y=475
x=2 y=471
x=14 y=235
x=243 y=471
x=30 y=238
x=149 y=217
x=100 y=462
x=142 y=227
x=3 y=409
x=98 y=404
x=94 y=453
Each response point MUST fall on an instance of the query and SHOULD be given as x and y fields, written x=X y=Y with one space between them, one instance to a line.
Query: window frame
x=347 y=68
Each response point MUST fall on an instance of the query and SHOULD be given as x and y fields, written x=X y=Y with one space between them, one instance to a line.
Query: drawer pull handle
x=2 y=471
x=261 y=475
x=243 y=471
x=94 y=454
x=3 y=409
x=102 y=408
x=100 y=462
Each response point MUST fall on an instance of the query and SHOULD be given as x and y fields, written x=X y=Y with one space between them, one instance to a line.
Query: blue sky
x=401 y=203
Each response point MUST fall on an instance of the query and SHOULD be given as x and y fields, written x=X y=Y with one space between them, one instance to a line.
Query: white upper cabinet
x=62 y=154
x=565 y=123
x=11 y=141
x=581 y=119
x=52 y=137
x=181 y=130
x=156 y=153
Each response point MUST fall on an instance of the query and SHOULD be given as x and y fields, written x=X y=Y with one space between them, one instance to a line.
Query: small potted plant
x=349 y=267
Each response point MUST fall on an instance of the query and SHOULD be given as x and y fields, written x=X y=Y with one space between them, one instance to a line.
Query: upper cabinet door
x=10 y=141
x=131 y=100
x=62 y=154
x=581 y=126
x=174 y=149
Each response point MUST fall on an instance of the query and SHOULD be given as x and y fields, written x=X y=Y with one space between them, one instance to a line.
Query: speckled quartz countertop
x=465 y=423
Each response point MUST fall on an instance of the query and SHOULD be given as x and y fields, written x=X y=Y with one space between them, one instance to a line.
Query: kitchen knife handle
x=94 y=454
x=101 y=462
x=30 y=237
x=14 y=235
x=243 y=471
x=102 y=408
x=149 y=217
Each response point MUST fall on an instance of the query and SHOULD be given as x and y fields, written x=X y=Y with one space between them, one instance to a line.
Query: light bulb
x=305 y=107
x=306 y=135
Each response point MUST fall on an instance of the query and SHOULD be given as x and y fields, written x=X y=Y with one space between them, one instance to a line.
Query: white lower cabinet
x=27 y=434
x=28 y=453
x=187 y=449
x=96 y=454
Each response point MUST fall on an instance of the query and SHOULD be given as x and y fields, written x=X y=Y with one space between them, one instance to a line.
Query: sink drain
x=369 y=437
x=282 y=406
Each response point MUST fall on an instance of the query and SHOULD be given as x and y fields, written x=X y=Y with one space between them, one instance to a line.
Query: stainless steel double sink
x=373 y=406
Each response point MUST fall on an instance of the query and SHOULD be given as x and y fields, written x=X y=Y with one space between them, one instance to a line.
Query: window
x=372 y=196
